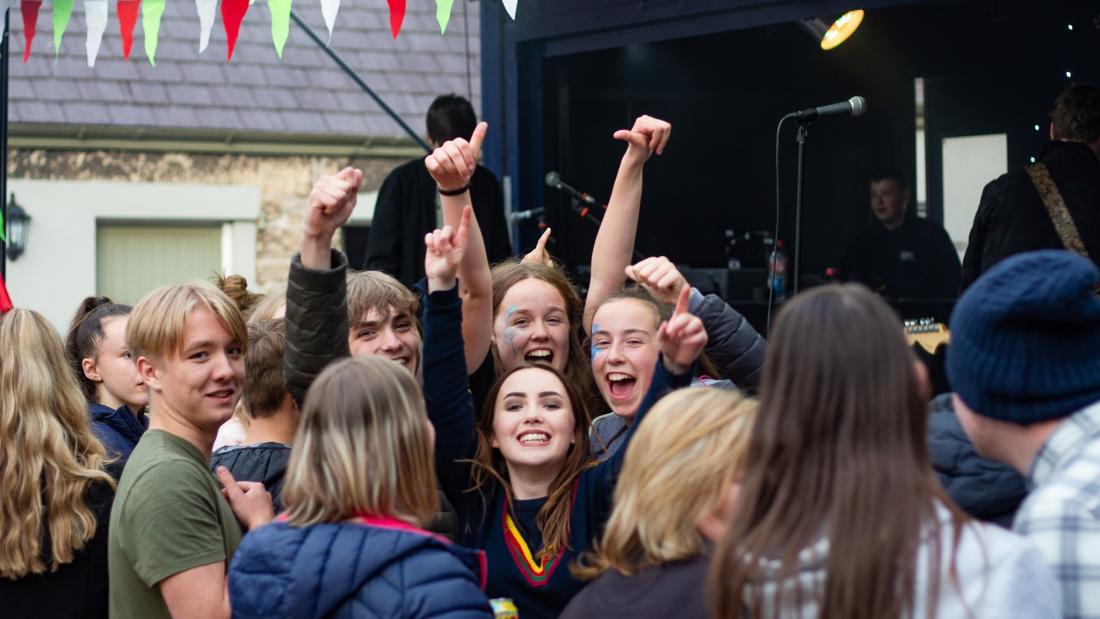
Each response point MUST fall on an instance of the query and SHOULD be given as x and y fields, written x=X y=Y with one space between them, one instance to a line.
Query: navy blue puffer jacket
x=386 y=569
x=985 y=489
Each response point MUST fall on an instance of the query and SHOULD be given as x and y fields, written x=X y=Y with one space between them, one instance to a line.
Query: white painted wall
x=58 y=268
x=969 y=162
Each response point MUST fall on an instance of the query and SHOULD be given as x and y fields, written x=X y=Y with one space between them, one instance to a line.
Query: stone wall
x=284 y=184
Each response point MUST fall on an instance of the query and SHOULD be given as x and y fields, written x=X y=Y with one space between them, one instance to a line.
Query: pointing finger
x=232 y=491
x=682 y=301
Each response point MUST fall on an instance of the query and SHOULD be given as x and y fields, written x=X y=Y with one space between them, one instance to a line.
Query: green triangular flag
x=62 y=11
x=151 y=11
x=3 y=236
x=443 y=13
x=280 y=23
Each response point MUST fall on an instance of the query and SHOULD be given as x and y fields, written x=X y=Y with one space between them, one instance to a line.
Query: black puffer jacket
x=985 y=489
x=733 y=344
x=316 y=322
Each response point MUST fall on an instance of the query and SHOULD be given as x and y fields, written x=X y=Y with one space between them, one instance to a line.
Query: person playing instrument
x=900 y=255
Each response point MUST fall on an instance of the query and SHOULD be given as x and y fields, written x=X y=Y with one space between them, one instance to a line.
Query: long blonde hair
x=48 y=454
x=685 y=453
x=363 y=446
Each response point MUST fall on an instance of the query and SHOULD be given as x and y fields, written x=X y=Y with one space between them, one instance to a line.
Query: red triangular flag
x=397 y=15
x=5 y=300
x=29 y=9
x=232 y=15
x=127 y=17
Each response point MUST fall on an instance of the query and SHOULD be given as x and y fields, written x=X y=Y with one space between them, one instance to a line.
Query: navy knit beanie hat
x=1025 y=339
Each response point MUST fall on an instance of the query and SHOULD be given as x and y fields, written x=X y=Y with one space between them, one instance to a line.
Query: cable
x=775 y=237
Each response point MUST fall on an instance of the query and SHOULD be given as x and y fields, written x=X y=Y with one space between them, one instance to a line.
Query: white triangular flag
x=206 y=9
x=510 y=6
x=329 y=9
x=95 y=20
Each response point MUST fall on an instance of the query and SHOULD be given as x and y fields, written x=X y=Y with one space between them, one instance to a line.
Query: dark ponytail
x=85 y=333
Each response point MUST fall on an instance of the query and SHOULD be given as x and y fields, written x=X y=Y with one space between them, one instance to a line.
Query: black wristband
x=454 y=192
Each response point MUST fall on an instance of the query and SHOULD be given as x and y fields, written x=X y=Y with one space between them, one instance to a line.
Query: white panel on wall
x=969 y=162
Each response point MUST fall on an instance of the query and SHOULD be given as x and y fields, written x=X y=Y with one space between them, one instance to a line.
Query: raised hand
x=443 y=253
x=681 y=337
x=648 y=135
x=452 y=165
x=250 y=501
x=659 y=277
x=539 y=255
x=331 y=201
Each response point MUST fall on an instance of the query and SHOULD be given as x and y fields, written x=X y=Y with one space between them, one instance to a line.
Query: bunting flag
x=127 y=17
x=29 y=9
x=95 y=21
x=206 y=10
x=151 y=12
x=510 y=6
x=280 y=23
x=5 y=300
x=3 y=236
x=443 y=13
x=232 y=15
x=329 y=9
x=62 y=12
x=397 y=15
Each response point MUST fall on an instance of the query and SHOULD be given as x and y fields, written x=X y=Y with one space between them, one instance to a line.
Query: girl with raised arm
x=520 y=477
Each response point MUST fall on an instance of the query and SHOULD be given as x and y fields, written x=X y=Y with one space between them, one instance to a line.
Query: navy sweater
x=481 y=518
x=118 y=429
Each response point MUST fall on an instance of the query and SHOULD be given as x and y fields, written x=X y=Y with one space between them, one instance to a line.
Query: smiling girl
x=538 y=501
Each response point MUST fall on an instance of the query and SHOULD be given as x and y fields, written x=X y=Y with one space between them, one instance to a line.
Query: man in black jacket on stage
x=1012 y=217
x=900 y=255
x=408 y=203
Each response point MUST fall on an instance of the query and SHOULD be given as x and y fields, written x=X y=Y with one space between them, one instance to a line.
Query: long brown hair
x=490 y=473
x=577 y=371
x=838 y=449
x=48 y=454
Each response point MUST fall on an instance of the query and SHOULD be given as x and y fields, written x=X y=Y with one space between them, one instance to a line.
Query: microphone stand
x=584 y=212
x=800 y=137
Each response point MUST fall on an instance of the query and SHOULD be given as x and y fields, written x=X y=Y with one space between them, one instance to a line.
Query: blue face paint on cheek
x=512 y=309
x=510 y=339
x=596 y=350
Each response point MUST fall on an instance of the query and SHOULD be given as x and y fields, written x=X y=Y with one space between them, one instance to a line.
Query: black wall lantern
x=17 y=222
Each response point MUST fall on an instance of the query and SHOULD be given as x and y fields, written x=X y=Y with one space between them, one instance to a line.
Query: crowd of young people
x=486 y=444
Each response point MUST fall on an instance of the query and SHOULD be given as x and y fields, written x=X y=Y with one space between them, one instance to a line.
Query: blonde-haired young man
x=172 y=533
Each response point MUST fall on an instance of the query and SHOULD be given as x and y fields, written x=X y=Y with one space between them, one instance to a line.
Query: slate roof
x=303 y=93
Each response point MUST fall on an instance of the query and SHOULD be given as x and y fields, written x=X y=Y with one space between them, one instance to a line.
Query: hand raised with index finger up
x=682 y=337
x=452 y=165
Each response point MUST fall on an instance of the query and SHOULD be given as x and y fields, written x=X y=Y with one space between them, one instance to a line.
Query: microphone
x=856 y=106
x=553 y=180
x=524 y=215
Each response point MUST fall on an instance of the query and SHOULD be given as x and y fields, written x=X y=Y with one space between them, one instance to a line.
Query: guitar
x=927 y=333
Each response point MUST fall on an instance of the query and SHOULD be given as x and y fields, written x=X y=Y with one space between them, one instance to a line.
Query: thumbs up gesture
x=452 y=165
x=681 y=337
x=648 y=135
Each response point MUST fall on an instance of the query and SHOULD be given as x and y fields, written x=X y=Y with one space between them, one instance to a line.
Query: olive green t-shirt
x=168 y=517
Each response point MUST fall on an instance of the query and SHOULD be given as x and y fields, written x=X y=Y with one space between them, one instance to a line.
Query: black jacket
x=676 y=589
x=916 y=260
x=265 y=463
x=405 y=212
x=1011 y=218
x=985 y=489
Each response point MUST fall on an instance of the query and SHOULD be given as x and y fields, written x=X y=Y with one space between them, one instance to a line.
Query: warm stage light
x=830 y=36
